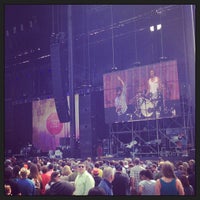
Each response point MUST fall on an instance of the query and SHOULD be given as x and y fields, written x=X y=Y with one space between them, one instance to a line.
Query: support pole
x=71 y=82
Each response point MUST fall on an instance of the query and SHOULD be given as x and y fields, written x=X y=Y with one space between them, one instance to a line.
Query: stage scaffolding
x=148 y=137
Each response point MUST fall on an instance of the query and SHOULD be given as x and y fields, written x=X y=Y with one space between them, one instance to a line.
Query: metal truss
x=149 y=137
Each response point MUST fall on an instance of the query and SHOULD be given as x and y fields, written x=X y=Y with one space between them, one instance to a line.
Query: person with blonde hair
x=168 y=184
x=26 y=186
x=66 y=171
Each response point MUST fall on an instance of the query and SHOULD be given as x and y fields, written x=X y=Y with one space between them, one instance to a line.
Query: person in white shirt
x=155 y=93
x=120 y=101
x=154 y=85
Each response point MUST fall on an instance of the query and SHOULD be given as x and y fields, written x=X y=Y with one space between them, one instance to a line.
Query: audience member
x=192 y=177
x=135 y=176
x=8 y=164
x=7 y=190
x=168 y=184
x=97 y=165
x=84 y=180
x=180 y=171
x=154 y=170
x=61 y=188
x=45 y=178
x=107 y=178
x=121 y=182
x=26 y=186
x=97 y=178
x=188 y=189
x=14 y=189
x=73 y=175
x=16 y=173
x=147 y=183
x=50 y=169
x=96 y=191
x=55 y=177
x=66 y=171
x=35 y=176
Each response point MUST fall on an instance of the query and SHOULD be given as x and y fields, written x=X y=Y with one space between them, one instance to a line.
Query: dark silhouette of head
x=96 y=191
x=118 y=91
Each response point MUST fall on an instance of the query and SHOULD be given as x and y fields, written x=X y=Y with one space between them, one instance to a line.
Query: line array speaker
x=60 y=80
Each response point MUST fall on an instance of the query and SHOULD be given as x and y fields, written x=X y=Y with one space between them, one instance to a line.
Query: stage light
x=159 y=26
x=151 y=28
x=114 y=68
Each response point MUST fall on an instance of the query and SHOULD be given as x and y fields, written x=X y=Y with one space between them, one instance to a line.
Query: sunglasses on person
x=81 y=166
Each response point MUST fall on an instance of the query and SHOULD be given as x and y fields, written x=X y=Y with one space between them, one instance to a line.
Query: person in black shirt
x=121 y=182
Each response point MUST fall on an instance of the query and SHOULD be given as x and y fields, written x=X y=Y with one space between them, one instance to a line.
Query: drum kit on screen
x=146 y=106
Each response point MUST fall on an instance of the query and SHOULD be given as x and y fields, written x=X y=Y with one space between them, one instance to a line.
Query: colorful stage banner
x=47 y=129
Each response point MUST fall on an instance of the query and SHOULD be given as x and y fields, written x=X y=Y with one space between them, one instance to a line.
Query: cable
x=113 y=50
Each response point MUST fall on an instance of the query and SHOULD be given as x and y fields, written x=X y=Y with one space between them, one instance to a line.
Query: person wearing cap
x=26 y=186
x=121 y=182
x=97 y=165
x=84 y=180
x=97 y=178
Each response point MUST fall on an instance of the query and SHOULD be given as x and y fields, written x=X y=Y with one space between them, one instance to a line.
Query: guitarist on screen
x=120 y=101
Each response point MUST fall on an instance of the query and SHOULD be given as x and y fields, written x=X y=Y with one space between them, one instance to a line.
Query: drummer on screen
x=120 y=101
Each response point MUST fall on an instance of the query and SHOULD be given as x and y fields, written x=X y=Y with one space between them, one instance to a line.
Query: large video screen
x=142 y=93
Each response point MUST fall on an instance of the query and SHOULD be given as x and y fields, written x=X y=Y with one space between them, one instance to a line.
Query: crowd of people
x=69 y=176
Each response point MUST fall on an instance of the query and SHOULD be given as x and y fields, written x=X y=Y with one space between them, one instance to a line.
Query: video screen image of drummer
x=142 y=93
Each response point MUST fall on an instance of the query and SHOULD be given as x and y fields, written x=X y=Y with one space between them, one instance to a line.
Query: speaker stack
x=85 y=120
x=60 y=77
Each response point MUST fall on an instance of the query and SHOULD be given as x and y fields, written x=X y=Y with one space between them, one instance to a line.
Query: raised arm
x=122 y=82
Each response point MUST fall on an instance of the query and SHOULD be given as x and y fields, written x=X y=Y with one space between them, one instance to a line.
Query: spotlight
x=159 y=26
x=151 y=28
x=114 y=68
